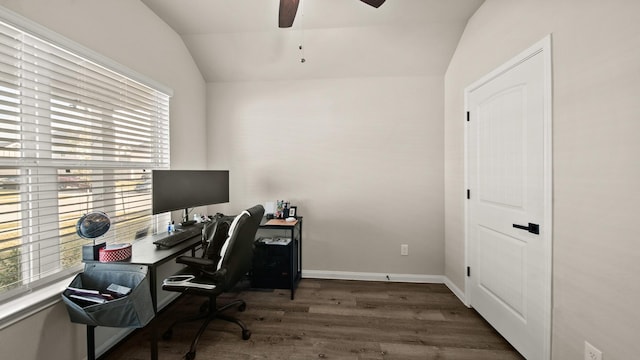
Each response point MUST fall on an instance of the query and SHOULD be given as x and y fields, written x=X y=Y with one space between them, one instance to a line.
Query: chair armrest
x=196 y=262
x=208 y=267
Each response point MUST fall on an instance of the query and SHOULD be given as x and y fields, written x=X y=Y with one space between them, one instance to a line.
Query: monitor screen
x=182 y=189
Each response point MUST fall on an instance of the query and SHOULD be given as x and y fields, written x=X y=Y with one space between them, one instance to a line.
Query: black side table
x=278 y=265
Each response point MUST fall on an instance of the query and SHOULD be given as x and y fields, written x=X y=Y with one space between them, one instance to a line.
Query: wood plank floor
x=332 y=319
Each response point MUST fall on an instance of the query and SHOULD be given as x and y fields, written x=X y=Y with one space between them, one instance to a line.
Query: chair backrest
x=214 y=236
x=237 y=252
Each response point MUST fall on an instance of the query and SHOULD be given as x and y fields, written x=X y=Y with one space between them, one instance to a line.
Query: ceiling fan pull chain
x=301 y=46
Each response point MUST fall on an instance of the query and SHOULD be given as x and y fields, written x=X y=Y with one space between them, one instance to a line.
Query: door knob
x=532 y=228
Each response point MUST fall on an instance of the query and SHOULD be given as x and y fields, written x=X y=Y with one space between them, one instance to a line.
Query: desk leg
x=295 y=258
x=299 y=254
x=154 y=303
x=91 y=342
x=154 y=340
x=292 y=265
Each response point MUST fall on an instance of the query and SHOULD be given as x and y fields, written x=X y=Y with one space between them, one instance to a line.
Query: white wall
x=596 y=115
x=362 y=158
x=129 y=33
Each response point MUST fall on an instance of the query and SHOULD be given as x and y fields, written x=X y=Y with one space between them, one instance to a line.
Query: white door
x=509 y=200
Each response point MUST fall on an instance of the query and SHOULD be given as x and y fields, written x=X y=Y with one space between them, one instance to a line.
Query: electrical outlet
x=404 y=249
x=591 y=353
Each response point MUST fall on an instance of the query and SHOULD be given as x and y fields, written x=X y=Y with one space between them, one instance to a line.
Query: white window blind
x=75 y=137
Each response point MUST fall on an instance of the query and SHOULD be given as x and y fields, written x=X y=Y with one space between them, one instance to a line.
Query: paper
x=276 y=241
x=83 y=291
x=93 y=299
x=118 y=289
x=88 y=295
x=186 y=281
x=269 y=207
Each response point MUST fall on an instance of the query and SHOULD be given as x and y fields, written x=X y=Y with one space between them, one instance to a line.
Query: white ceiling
x=239 y=40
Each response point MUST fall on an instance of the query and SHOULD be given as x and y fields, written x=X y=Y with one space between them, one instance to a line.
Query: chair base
x=212 y=312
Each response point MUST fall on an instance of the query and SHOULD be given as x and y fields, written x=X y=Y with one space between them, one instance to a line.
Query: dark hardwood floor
x=332 y=319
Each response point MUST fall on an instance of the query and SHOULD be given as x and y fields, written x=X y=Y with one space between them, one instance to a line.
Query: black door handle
x=532 y=228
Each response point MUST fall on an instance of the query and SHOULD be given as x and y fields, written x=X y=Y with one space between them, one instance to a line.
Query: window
x=75 y=137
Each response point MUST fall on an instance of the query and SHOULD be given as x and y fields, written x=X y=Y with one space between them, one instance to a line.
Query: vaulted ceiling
x=239 y=40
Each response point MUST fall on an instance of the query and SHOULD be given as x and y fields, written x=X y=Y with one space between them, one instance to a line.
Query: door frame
x=544 y=47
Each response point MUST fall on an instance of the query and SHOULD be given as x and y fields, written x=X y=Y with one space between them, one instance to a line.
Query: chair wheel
x=246 y=334
x=242 y=307
x=167 y=335
x=190 y=355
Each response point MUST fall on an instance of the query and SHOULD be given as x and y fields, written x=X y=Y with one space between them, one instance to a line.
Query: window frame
x=40 y=295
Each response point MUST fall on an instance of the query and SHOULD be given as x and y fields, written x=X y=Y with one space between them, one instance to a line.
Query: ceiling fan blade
x=374 y=3
x=288 y=9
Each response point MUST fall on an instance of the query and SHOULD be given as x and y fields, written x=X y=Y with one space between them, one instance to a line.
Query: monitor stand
x=185 y=219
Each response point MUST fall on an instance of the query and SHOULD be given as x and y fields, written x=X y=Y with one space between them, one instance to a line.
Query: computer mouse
x=290 y=219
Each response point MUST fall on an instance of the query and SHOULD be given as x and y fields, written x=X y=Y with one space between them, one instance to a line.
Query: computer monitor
x=184 y=189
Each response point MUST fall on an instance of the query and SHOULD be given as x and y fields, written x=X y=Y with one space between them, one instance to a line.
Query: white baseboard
x=362 y=276
x=456 y=291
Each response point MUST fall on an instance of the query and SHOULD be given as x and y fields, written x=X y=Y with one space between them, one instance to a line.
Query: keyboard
x=178 y=236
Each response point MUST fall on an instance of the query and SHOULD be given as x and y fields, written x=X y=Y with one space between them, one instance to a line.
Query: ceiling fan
x=288 y=9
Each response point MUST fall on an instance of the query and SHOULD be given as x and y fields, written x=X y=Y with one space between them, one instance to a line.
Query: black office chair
x=228 y=257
